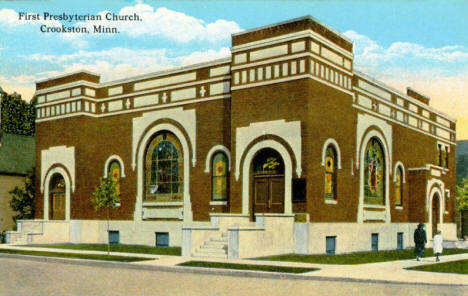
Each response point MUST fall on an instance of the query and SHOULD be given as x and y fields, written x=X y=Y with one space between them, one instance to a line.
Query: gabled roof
x=17 y=154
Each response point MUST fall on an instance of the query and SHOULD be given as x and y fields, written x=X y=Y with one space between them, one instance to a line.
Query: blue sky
x=422 y=44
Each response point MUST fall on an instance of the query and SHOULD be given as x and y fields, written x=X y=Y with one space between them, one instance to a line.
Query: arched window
x=330 y=173
x=219 y=177
x=374 y=173
x=115 y=173
x=164 y=169
x=399 y=186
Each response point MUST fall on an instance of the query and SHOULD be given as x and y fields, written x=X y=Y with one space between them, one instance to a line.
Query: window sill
x=162 y=204
x=331 y=201
x=374 y=206
x=398 y=207
x=443 y=169
x=218 y=203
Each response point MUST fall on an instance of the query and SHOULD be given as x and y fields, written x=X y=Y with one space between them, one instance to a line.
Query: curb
x=212 y=271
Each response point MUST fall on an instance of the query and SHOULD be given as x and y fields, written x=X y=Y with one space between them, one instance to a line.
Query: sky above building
x=421 y=44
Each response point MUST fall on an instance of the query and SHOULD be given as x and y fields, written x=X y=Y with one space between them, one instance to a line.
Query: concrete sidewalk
x=390 y=272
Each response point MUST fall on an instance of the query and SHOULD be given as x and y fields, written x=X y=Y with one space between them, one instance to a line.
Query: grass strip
x=268 y=268
x=139 y=249
x=75 y=256
x=460 y=266
x=358 y=257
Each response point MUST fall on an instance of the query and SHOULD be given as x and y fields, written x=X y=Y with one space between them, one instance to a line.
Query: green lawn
x=175 y=251
x=76 y=256
x=460 y=266
x=357 y=258
x=236 y=266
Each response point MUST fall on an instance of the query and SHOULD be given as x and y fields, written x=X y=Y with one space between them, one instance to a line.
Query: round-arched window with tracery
x=164 y=169
x=374 y=173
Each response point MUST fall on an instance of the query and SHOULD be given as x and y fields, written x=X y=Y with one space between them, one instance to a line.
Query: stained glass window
x=114 y=174
x=164 y=169
x=330 y=173
x=398 y=186
x=374 y=173
x=268 y=162
x=219 y=173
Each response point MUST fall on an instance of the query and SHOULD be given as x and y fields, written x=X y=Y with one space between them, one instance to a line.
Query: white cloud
x=110 y=64
x=441 y=73
x=162 y=22
x=9 y=17
x=204 y=56
x=166 y=23
x=22 y=84
x=403 y=58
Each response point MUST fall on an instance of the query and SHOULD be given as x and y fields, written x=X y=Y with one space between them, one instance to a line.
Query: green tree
x=18 y=116
x=106 y=196
x=22 y=200
x=461 y=199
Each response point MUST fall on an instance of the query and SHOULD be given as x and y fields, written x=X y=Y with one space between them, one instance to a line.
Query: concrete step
x=212 y=250
x=213 y=246
x=216 y=242
x=207 y=253
x=18 y=239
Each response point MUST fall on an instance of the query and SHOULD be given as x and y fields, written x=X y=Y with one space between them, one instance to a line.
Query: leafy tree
x=106 y=195
x=18 y=116
x=461 y=199
x=22 y=200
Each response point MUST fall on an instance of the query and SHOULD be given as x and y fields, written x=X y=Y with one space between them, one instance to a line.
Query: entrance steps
x=216 y=247
x=235 y=236
x=25 y=232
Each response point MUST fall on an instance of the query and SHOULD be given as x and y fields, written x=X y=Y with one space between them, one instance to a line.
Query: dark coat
x=420 y=235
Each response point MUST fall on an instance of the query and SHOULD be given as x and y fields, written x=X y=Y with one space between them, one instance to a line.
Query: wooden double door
x=269 y=194
x=57 y=198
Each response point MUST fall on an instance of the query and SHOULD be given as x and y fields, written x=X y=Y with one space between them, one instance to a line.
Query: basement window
x=330 y=242
x=114 y=237
x=162 y=239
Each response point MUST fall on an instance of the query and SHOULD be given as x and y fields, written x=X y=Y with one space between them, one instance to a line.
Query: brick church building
x=282 y=147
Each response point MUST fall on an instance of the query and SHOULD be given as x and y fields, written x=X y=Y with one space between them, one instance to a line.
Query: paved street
x=27 y=277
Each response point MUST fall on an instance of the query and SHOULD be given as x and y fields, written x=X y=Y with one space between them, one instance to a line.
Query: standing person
x=438 y=245
x=420 y=240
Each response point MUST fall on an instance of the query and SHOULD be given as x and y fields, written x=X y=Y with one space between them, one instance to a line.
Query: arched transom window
x=219 y=175
x=399 y=186
x=374 y=173
x=330 y=173
x=164 y=169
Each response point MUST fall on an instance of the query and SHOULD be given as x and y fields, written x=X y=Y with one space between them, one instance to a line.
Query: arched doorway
x=435 y=212
x=57 y=198
x=268 y=182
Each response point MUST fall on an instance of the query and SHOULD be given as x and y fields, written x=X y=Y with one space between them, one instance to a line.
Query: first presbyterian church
x=280 y=148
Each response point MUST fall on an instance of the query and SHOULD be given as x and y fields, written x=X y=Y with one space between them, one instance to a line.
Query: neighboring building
x=17 y=159
x=283 y=147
